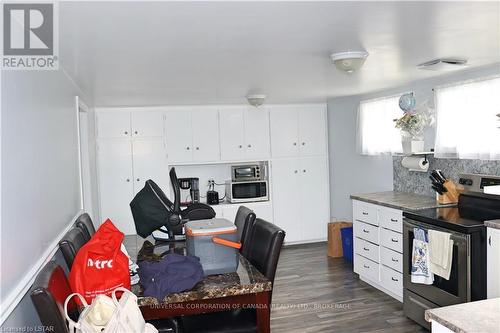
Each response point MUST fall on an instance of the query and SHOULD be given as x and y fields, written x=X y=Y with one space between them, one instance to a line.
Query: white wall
x=353 y=173
x=40 y=174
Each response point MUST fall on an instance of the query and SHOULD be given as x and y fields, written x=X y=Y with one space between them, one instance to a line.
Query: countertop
x=399 y=200
x=474 y=317
x=495 y=224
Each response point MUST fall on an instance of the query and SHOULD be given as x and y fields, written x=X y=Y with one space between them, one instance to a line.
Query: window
x=376 y=131
x=467 y=121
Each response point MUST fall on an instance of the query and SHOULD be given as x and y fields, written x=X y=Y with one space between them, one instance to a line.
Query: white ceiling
x=158 y=53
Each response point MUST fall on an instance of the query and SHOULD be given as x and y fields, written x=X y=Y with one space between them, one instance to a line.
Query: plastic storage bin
x=215 y=242
x=347 y=243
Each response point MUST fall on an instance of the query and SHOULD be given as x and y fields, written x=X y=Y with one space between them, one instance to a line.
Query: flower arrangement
x=411 y=123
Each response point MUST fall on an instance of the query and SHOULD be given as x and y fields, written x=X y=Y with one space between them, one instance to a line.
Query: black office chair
x=71 y=243
x=264 y=252
x=244 y=221
x=84 y=222
x=50 y=290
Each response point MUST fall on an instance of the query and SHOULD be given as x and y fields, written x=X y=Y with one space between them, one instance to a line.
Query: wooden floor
x=314 y=293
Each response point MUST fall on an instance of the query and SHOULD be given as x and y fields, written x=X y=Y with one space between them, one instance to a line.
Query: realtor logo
x=30 y=36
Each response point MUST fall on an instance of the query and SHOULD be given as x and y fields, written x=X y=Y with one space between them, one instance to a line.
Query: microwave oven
x=249 y=172
x=237 y=192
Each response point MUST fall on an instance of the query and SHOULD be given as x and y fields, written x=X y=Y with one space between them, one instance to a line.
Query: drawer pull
x=394 y=260
x=394 y=240
x=366 y=231
x=366 y=266
x=394 y=279
x=365 y=213
x=394 y=220
x=366 y=249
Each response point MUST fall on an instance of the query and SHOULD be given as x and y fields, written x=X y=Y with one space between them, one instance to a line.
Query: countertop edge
x=494 y=224
x=360 y=197
x=430 y=316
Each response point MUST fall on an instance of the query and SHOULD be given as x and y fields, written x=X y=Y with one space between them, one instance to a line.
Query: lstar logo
x=100 y=264
x=29 y=36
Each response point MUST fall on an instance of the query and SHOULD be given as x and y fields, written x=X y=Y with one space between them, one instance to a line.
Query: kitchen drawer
x=365 y=212
x=391 y=259
x=391 y=280
x=391 y=219
x=366 y=231
x=366 y=267
x=391 y=239
x=366 y=249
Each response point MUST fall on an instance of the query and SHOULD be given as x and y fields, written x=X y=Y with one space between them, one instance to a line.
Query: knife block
x=452 y=194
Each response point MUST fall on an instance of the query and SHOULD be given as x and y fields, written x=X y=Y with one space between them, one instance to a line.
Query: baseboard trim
x=16 y=295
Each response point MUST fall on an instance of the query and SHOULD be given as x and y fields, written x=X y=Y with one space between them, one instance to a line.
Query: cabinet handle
x=394 y=220
x=303 y=143
x=394 y=240
x=249 y=146
x=126 y=133
x=366 y=266
x=394 y=260
x=187 y=148
x=296 y=171
x=128 y=180
x=394 y=279
x=135 y=132
x=197 y=148
x=304 y=170
x=240 y=146
x=138 y=179
x=365 y=213
x=295 y=143
x=489 y=240
x=366 y=231
x=366 y=249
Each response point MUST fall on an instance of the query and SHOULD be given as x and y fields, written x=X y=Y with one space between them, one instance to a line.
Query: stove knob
x=468 y=182
x=461 y=181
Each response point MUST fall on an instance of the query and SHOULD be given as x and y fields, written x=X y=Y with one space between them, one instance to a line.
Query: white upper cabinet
x=146 y=123
x=257 y=132
x=244 y=133
x=205 y=126
x=149 y=162
x=312 y=131
x=113 y=124
x=192 y=135
x=298 y=130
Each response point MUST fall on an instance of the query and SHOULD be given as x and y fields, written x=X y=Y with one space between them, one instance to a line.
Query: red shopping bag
x=100 y=266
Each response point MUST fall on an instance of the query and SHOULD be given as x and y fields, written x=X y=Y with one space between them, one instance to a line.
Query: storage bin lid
x=210 y=227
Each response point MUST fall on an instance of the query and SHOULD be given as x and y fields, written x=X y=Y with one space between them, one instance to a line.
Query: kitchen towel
x=420 y=262
x=440 y=253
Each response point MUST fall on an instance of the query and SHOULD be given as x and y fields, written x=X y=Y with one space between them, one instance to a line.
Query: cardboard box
x=335 y=239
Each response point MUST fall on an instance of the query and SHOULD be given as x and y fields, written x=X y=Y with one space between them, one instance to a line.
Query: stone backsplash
x=419 y=182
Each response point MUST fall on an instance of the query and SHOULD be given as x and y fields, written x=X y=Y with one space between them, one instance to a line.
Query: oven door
x=442 y=292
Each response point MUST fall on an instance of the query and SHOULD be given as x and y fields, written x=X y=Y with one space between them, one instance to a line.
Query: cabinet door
x=314 y=198
x=113 y=124
x=229 y=211
x=178 y=135
x=312 y=131
x=263 y=211
x=284 y=131
x=286 y=197
x=205 y=125
x=493 y=265
x=232 y=142
x=257 y=133
x=116 y=183
x=150 y=162
x=147 y=123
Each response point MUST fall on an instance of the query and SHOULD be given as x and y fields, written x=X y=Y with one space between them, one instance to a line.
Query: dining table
x=246 y=288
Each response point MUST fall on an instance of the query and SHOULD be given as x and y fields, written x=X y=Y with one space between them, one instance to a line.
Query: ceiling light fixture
x=349 y=61
x=256 y=99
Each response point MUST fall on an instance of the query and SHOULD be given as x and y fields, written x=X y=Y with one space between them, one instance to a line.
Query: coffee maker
x=193 y=185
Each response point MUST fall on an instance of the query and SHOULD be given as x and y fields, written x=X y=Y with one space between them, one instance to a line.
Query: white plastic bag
x=108 y=315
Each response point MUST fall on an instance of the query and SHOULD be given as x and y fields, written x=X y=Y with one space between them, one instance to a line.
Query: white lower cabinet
x=378 y=246
x=124 y=166
x=493 y=265
x=262 y=210
x=301 y=197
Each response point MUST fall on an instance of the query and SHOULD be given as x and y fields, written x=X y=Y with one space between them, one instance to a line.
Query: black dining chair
x=244 y=221
x=84 y=222
x=50 y=290
x=71 y=243
x=264 y=252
